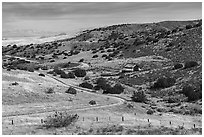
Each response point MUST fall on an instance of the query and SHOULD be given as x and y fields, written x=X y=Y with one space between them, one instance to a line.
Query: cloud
x=90 y=14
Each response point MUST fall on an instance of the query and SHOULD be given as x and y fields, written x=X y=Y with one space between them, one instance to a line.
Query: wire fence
x=122 y=120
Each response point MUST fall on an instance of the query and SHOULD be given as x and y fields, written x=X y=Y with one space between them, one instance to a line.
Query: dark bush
x=44 y=67
x=136 y=68
x=58 y=71
x=86 y=78
x=163 y=82
x=151 y=39
x=52 y=60
x=117 y=89
x=81 y=60
x=109 y=50
x=49 y=90
x=139 y=96
x=60 y=119
x=92 y=102
x=193 y=93
x=79 y=72
x=30 y=69
x=95 y=56
x=71 y=90
x=43 y=75
x=70 y=75
x=178 y=66
x=189 y=26
x=104 y=55
x=150 y=111
x=101 y=83
x=96 y=87
x=190 y=64
x=64 y=75
x=86 y=85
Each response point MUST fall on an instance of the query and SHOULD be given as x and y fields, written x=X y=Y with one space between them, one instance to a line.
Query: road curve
x=89 y=91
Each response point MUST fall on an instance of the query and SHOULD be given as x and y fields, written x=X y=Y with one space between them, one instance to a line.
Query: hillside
x=155 y=67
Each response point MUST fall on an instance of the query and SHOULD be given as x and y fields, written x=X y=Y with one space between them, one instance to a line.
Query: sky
x=72 y=17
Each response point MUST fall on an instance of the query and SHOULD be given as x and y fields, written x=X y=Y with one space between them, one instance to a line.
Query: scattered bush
x=49 y=90
x=44 y=67
x=60 y=119
x=117 y=89
x=189 y=26
x=43 y=75
x=95 y=56
x=86 y=85
x=193 y=93
x=101 y=83
x=150 y=111
x=190 y=64
x=58 y=71
x=30 y=69
x=15 y=83
x=163 y=82
x=81 y=60
x=86 y=78
x=70 y=75
x=178 y=66
x=104 y=55
x=79 y=72
x=71 y=90
x=92 y=102
x=139 y=96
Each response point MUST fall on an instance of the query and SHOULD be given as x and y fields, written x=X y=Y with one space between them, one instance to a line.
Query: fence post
x=122 y=118
x=170 y=122
x=41 y=120
x=12 y=121
x=96 y=118
x=148 y=120
x=194 y=125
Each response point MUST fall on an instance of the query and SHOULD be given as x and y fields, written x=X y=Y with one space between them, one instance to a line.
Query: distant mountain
x=25 y=33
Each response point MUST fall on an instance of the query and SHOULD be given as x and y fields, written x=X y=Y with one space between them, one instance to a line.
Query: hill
x=158 y=65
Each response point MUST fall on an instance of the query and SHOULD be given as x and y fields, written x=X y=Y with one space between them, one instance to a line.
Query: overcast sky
x=69 y=17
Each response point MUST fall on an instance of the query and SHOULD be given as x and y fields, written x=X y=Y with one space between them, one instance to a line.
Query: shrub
x=96 y=87
x=139 y=96
x=79 y=72
x=95 y=56
x=151 y=39
x=101 y=83
x=64 y=75
x=58 y=71
x=104 y=55
x=136 y=68
x=60 y=119
x=178 y=66
x=193 y=93
x=189 y=26
x=71 y=90
x=92 y=102
x=44 y=67
x=150 y=111
x=43 y=75
x=86 y=78
x=163 y=82
x=86 y=85
x=49 y=90
x=117 y=89
x=190 y=64
x=81 y=60
x=70 y=75
x=30 y=69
